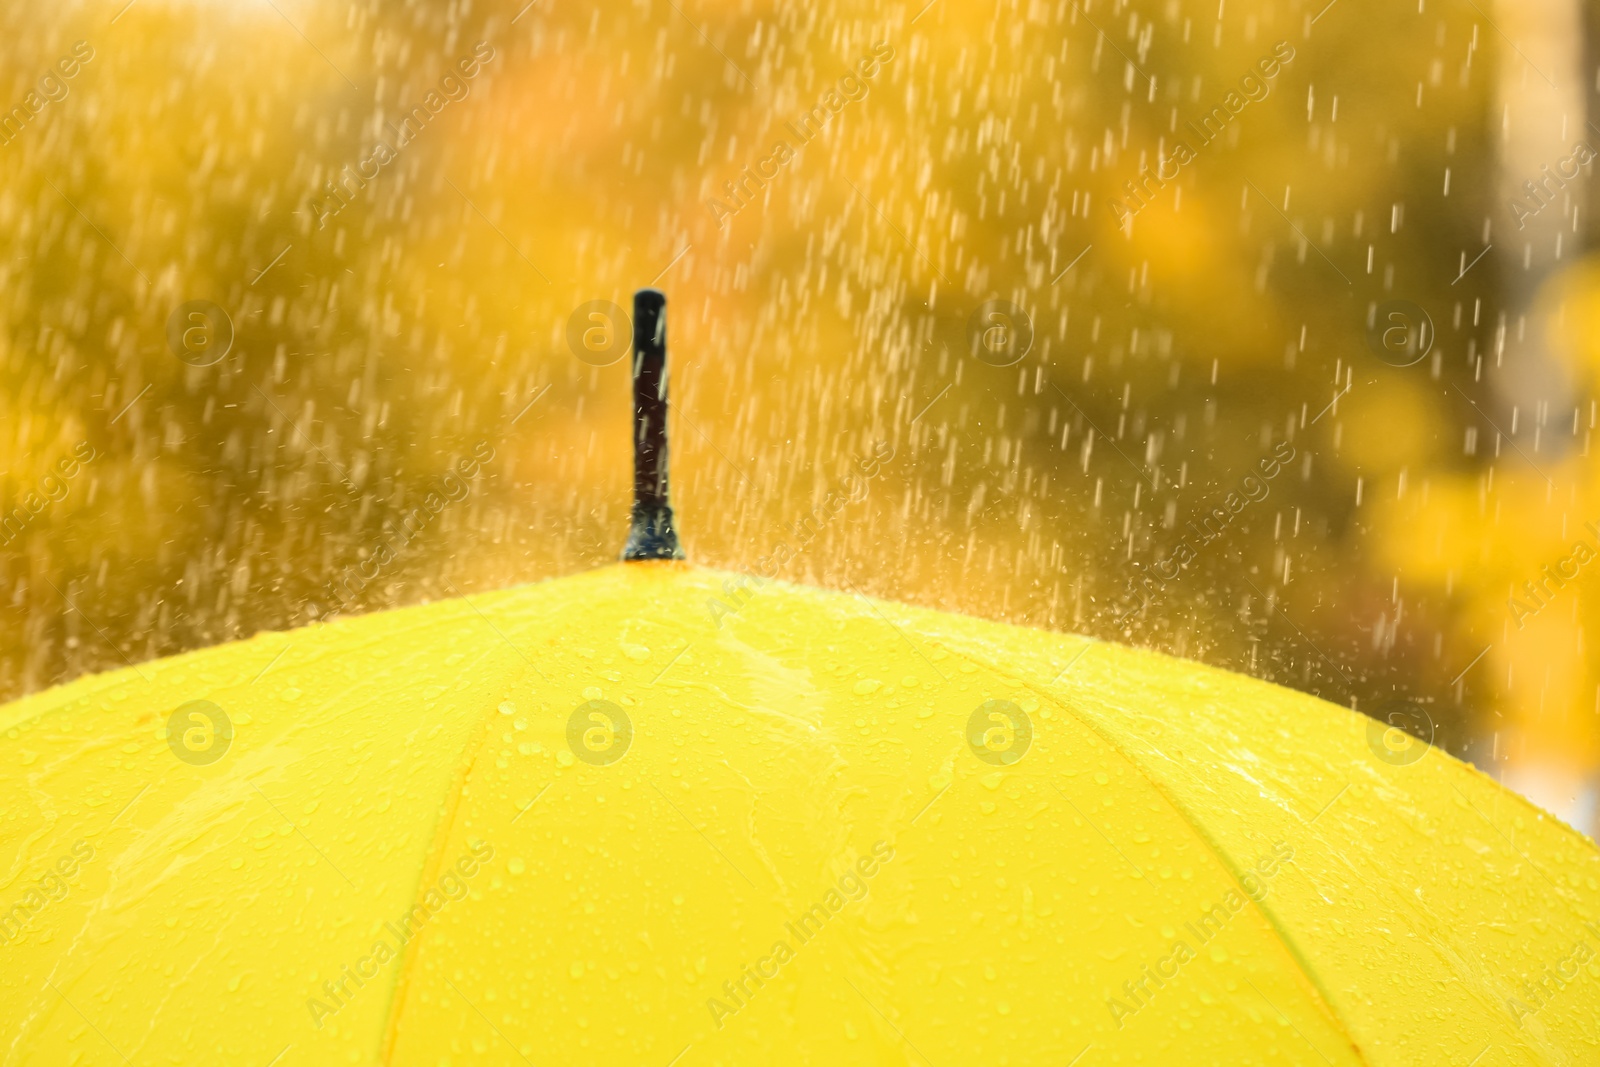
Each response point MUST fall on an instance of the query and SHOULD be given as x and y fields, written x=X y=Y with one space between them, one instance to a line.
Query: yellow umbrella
x=657 y=814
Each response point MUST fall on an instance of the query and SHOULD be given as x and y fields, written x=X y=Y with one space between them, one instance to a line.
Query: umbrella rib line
x=1222 y=858
x=431 y=865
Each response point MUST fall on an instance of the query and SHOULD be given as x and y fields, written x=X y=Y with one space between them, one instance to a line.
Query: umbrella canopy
x=657 y=814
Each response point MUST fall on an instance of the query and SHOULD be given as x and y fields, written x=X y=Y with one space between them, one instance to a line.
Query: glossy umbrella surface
x=658 y=814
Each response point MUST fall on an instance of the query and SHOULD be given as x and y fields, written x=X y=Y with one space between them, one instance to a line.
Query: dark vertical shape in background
x=652 y=535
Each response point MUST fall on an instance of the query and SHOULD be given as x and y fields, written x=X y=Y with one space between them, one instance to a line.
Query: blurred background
x=1309 y=397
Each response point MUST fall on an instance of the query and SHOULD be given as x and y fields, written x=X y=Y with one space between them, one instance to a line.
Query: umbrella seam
x=1221 y=856
x=425 y=879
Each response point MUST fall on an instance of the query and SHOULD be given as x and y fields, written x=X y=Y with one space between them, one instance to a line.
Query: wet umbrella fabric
x=656 y=814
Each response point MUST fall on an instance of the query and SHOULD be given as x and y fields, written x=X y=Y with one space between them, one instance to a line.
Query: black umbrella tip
x=651 y=534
